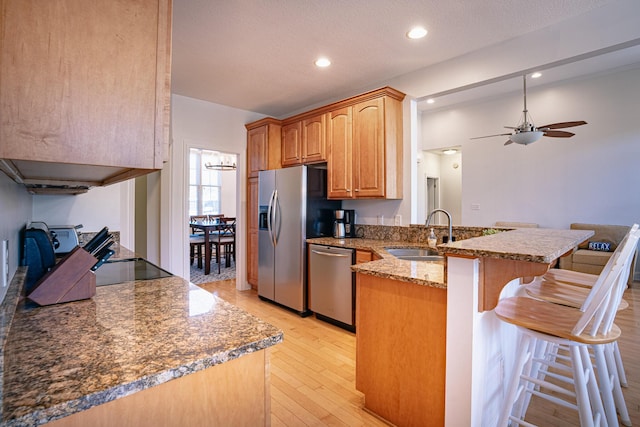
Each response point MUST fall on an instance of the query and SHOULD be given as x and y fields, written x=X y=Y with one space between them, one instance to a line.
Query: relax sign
x=600 y=246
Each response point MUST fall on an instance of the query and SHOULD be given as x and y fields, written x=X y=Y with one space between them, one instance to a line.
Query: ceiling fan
x=526 y=132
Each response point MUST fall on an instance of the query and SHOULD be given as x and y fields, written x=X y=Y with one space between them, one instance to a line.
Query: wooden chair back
x=600 y=306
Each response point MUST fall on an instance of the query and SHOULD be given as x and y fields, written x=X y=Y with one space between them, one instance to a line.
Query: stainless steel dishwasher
x=332 y=285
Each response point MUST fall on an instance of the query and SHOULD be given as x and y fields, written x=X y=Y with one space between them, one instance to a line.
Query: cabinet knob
x=348 y=190
x=357 y=189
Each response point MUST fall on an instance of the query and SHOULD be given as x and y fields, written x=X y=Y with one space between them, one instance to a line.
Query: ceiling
x=257 y=55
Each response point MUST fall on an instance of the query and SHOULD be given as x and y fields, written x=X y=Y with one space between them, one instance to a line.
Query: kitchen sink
x=415 y=254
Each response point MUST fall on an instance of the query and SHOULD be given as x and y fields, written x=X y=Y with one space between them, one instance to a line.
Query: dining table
x=210 y=227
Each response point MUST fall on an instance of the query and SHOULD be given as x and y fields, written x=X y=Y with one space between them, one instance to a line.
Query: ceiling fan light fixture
x=526 y=138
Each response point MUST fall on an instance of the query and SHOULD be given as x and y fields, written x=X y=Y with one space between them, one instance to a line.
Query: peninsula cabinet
x=401 y=350
x=365 y=147
x=304 y=142
x=84 y=91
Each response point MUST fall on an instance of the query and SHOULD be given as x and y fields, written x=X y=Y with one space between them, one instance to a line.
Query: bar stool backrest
x=600 y=306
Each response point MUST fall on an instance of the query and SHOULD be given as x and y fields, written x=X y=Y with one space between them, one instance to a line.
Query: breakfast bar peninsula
x=430 y=350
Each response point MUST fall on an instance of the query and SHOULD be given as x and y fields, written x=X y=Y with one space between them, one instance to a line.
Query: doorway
x=212 y=198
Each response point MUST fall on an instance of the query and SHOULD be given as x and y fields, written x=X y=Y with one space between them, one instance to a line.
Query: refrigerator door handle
x=270 y=217
x=274 y=230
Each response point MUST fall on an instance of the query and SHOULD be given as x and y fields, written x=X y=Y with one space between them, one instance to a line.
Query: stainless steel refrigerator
x=292 y=207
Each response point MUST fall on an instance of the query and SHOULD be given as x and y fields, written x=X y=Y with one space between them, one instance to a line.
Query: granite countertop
x=524 y=244
x=541 y=245
x=65 y=358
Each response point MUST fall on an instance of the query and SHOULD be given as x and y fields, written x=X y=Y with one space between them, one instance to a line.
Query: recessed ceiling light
x=449 y=151
x=430 y=101
x=322 y=62
x=417 y=33
x=536 y=75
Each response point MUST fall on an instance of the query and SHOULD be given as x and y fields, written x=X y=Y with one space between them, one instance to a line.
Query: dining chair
x=543 y=326
x=225 y=241
x=196 y=241
x=196 y=248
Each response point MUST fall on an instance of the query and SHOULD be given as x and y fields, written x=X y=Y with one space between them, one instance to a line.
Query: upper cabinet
x=292 y=144
x=365 y=147
x=304 y=141
x=84 y=91
x=263 y=146
x=339 y=163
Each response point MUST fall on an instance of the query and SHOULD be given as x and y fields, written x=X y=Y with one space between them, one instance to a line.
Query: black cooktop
x=126 y=270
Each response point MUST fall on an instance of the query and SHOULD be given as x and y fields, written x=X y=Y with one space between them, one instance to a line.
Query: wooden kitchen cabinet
x=339 y=163
x=304 y=142
x=252 y=232
x=263 y=146
x=292 y=144
x=363 y=256
x=85 y=91
x=365 y=147
x=263 y=153
x=199 y=399
x=401 y=350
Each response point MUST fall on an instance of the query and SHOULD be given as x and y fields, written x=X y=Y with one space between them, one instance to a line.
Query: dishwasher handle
x=331 y=254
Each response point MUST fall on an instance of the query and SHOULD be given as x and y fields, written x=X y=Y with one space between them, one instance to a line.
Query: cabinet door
x=252 y=231
x=313 y=139
x=339 y=140
x=368 y=149
x=292 y=144
x=85 y=82
x=257 y=155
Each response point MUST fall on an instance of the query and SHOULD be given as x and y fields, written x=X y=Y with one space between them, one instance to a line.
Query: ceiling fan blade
x=558 y=134
x=508 y=142
x=490 y=136
x=511 y=127
x=563 y=125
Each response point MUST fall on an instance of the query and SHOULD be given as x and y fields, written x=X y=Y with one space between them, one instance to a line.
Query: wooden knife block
x=71 y=279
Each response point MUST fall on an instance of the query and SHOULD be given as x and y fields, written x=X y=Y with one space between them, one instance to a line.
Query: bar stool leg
x=619 y=366
x=615 y=383
x=585 y=385
x=515 y=391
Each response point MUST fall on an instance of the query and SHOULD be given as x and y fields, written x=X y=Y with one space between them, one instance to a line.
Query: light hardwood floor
x=313 y=370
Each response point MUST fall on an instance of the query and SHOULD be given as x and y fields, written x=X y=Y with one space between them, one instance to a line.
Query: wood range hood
x=40 y=177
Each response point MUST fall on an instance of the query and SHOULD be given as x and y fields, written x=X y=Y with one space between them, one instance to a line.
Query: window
x=204 y=184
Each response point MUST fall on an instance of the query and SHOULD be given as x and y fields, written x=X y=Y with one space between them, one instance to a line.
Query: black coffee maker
x=349 y=223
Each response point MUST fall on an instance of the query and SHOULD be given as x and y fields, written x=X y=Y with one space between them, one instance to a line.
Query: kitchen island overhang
x=132 y=339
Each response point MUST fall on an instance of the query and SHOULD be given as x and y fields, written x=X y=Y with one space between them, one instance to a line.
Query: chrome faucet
x=450 y=236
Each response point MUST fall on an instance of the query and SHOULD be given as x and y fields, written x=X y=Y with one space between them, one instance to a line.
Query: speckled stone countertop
x=542 y=245
x=65 y=358
x=524 y=244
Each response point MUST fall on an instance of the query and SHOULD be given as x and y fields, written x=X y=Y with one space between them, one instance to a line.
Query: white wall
x=15 y=208
x=110 y=206
x=201 y=124
x=441 y=166
x=591 y=177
